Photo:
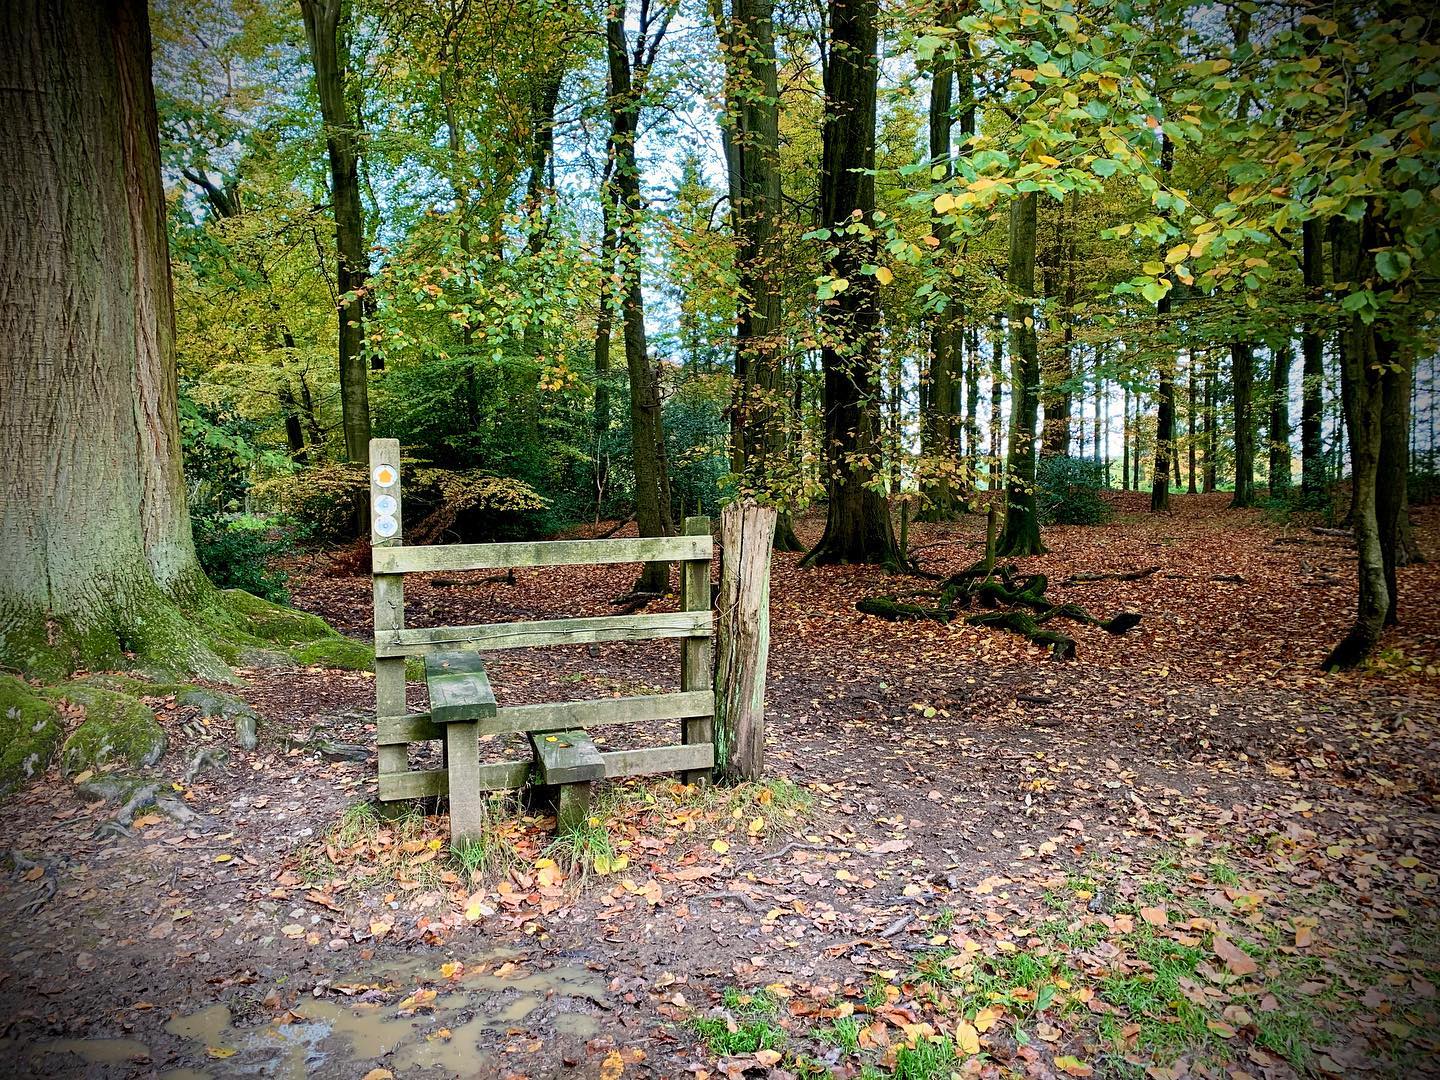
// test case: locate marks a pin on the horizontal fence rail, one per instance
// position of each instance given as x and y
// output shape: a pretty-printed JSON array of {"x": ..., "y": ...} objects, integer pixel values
[
  {"x": 522, "y": 635},
  {"x": 508, "y": 775},
  {"x": 556, "y": 716},
  {"x": 420, "y": 559}
]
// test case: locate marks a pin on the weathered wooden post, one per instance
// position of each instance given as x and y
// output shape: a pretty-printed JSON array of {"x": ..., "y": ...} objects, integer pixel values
[
  {"x": 695, "y": 652},
  {"x": 389, "y": 595},
  {"x": 747, "y": 535}
]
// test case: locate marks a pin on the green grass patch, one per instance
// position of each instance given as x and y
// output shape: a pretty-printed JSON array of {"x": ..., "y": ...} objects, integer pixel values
[{"x": 928, "y": 1059}]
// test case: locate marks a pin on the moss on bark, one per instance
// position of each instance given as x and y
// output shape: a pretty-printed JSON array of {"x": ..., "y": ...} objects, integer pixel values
[{"x": 29, "y": 732}]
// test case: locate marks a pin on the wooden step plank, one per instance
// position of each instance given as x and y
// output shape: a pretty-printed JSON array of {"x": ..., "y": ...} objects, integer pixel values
[
  {"x": 659, "y": 759},
  {"x": 556, "y": 716},
  {"x": 459, "y": 687},
  {"x": 509, "y": 775},
  {"x": 452, "y": 557},
  {"x": 519, "y": 635},
  {"x": 567, "y": 757}
]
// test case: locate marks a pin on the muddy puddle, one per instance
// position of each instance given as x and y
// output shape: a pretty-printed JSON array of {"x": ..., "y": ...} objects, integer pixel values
[{"x": 408, "y": 1014}]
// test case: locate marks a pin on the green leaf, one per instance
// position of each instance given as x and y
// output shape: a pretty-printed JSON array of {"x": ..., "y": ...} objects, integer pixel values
[{"x": 1104, "y": 166}]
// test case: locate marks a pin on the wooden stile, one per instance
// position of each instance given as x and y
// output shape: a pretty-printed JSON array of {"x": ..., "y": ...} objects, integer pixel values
[{"x": 463, "y": 707}]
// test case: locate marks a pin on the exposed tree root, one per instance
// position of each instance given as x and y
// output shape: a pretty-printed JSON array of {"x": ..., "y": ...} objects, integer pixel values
[{"x": 1014, "y": 603}]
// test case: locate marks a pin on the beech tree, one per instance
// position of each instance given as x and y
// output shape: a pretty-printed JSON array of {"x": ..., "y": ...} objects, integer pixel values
[
  {"x": 1022, "y": 519},
  {"x": 97, "y": 565},
  {"x": 857, "y": 518}
]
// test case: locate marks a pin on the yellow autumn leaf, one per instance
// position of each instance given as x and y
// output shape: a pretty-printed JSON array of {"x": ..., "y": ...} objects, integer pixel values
[
  {"x": 1049, "y": 70},
  {"x": 757, "y": 826},
  {"x": 720, "y": 847},
  {"x": 985, "y": 1019},
  {"x": 1046, "y": 159},
  {"x": 944, "y": 203},
  {"x": 220, "y": 1053},
  {"x": 1178, "y": 253},
  {"x": 613, "y": 1066},
  {"x": 885, "y": 277},
  {"x": 967, "y": 1039}
]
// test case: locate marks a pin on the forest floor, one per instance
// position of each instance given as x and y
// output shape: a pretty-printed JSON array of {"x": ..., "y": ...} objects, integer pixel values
[{"x": 1187, "y": 852}]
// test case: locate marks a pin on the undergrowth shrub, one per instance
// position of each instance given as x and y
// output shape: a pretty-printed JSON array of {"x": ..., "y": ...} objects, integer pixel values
[
  {"x": 468, "y": 503},
  {"x": 1068, "y": 491},
  {"x": 236, "y": 552}
]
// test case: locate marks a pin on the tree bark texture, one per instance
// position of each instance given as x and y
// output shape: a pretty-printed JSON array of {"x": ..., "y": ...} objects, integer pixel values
[
  {"x": 96, "y": 551},
  {"x": 327, "y": 32},
  {"x": 1278, "y": 428},
  {"x": 1022, "y": 520},
  {"x": 743, "y": 632},
  {"x": 1242, "y": 374},
  {"x": 857, "y": 519},
  {"x": 1313, "y": 480},
  {"x": 653, "y": 511}
]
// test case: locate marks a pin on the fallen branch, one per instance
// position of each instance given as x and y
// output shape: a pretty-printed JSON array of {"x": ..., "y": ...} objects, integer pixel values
[
  {"x": 749, "y": 904},
  {"x": 1111, "y": 575}
]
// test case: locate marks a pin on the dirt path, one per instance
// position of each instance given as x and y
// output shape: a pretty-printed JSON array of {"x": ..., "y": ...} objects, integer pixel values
[{"x": 1189, "y": 850}]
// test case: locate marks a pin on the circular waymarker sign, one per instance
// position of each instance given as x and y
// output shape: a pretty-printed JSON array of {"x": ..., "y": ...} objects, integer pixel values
[
  {"x": 386, "y": 525},
  {"x": 385, "y": 504},
  {"x": 385, "y": 475}
]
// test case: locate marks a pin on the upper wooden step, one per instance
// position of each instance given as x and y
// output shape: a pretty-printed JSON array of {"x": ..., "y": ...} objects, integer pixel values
[{"x": 459, "y": 687}]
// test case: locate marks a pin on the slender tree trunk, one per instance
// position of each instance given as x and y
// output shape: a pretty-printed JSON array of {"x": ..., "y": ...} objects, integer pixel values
[
  {"x": 1058, "y": 399},
  {"x": 997, "y": 388},
  {"x": 1125, "y": 444},
  {"x": 1242, "y": 374},
  {"x": 653, "y": 511},
  {"x": 604, "y": 331},
  {"x": 1190, "y": 423},
  {"x": 1164, "y": 423},
  {"x": 938, "y": 413},
  {"x": 96, "y": 558},
  {"x": 1022, "y": 519},
  {"x": 1313, "y": 481},
  {"x": 326, "y": 29},
  {"x": 1279, "y": 425},
  {"x": 1212, "y": 432},
  {"x": 857, "y": 520},
  {"x": 972, "y": 397}
]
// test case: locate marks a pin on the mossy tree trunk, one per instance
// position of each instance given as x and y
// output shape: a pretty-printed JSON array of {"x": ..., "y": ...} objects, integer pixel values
[
  {"x": 1278, "y": 427},
  {"x": 1022, "y": 520},
  {"x": 96, "y": 557},
  {"x": 857, "y": 519}
]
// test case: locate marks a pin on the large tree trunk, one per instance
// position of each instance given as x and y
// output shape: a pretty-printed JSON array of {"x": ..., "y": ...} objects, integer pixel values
[
  {"x": 1165, "y": 457},
  {"x": 857, "y": 519},
  {"x": 751, "y": 128},
  {"x": 1022, "y": 520},
  {"x": 653, "y": 512},
  {"x": 327, "y": 34},
  {"x": 95, "y": 553},
  {"x": 1242, "y": 374},
  {"x": 1312, "y": 348},
  {"x": 1362, "y": 390}
]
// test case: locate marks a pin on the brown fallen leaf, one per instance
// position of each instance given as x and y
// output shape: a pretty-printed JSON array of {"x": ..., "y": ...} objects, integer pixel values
[{"x": 1237, "y": 961}]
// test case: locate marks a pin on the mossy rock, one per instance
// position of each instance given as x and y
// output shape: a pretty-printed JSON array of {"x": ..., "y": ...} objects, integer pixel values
[
  {"x": 283, "y": 626},
  {"x": 343, "y": 653},
  {"x": 30, "y": 729},
  {"x": 116, "y": 728}
]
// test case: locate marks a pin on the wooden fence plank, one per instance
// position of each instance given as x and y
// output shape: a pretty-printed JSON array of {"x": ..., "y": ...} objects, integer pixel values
[
  {"x": 518, "y": 635},
  {"x": 459, "y": 687},
  {"x": 556, "y": 716},
  {"x": 418, "y": 783},
  {"x": 451, "y": 557}
]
